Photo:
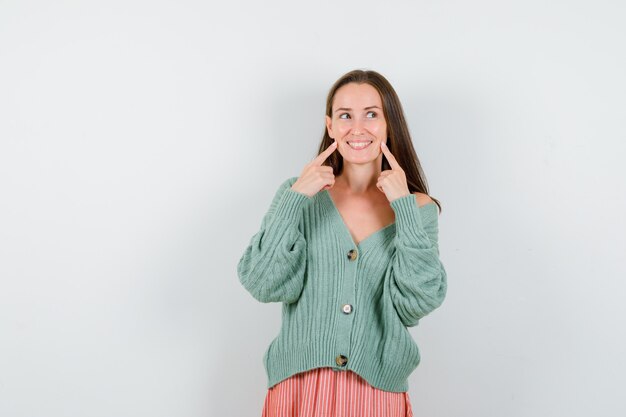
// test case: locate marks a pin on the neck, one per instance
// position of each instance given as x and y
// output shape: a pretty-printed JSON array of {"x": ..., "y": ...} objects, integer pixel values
[{"x": 359, "y": 178}]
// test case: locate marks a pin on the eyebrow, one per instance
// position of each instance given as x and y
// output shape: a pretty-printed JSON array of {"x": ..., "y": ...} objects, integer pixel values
[{"x": 366, "y": 108}]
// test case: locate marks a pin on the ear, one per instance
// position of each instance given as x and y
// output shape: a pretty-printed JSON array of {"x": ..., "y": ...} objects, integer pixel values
[{"x": 329, "y": 126}]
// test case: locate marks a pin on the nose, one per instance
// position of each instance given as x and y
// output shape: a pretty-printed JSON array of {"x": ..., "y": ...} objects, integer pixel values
[{"x": 357, "y": 128}]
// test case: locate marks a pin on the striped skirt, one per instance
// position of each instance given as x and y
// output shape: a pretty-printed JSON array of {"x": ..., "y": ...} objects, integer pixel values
[{"x": 324, "y": 392}]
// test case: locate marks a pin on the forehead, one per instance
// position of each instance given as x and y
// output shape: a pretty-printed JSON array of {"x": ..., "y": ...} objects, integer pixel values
[{"x": 356, "y": 96}]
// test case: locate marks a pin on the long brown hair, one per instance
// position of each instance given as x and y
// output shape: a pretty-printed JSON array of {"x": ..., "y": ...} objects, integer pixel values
[{"x": 399, "y": 139}]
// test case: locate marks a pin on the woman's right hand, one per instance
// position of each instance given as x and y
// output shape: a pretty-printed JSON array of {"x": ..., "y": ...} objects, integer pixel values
[{"x": 315, "y": 176}]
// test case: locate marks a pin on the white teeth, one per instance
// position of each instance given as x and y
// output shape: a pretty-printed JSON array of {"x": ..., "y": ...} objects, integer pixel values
[{"x": 360, "y": 145}]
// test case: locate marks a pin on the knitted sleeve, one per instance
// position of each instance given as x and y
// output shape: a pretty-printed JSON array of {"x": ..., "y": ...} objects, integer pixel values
[
  {"x": 418, "y": 280},
  {"x": 273, "y": 264}
]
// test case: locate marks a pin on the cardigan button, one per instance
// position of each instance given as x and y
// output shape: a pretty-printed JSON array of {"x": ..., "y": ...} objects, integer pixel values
[
  {"x": 352, "y": 254},
  {"x": 347, "y": 308},
  {"x": 341, "y": 360}
]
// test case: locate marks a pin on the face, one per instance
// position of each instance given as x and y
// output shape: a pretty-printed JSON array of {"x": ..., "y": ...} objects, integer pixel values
[{"x": 357, "y": 123}]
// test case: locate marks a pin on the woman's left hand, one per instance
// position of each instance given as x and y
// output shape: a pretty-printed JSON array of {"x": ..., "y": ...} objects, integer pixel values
[{"x": 392, "y": 181}]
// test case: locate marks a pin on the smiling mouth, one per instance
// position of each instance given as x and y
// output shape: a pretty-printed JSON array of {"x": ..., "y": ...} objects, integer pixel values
[{"x": 359, "y": 145}]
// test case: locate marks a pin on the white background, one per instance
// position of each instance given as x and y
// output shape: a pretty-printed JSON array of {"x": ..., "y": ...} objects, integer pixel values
[{"x": 142, "y": 142}]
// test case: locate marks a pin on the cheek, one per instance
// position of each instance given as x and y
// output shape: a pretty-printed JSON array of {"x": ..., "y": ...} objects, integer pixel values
[
  {"x": 342, "y": 128},
  {"x": 379, "y": 129}
]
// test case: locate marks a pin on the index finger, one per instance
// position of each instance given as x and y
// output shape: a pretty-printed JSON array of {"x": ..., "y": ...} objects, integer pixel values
[
  {"x": 319, "y": 159},
  {"x": 392, "y": 159}
]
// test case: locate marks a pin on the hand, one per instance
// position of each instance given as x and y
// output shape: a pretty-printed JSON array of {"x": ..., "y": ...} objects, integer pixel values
[
  {"x": 392, "y": 181},
  {"x": 316, "y": 177}
]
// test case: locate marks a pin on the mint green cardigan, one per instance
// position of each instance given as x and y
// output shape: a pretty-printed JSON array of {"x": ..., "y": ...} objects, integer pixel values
[{"x": 345, "y": 306}]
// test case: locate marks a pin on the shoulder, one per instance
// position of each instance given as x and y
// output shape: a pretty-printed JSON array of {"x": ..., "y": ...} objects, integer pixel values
[
  {"x": 430, "y": 215},
  {"x": 422, "y": 199}
]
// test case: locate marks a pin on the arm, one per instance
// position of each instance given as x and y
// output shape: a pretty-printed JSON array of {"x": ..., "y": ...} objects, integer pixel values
[
  {"x": 418, "y": 279},
  {"x": 272, "y": 266}
]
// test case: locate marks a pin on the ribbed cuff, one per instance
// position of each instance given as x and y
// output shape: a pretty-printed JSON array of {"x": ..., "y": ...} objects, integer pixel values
[
  {"x": 408, "y": 216},
  {"x": 290, "y": 205}
]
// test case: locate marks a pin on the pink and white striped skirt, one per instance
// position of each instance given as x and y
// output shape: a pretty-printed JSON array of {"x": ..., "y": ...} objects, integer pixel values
[{"x": 324, "y": 392}]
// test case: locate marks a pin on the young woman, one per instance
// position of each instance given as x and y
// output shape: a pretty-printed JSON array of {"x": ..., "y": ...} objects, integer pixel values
[{"x": 350, "y": 247}]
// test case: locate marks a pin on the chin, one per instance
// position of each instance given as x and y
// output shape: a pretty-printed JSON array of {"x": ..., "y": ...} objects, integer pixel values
[{"x": 360, "y": 161}]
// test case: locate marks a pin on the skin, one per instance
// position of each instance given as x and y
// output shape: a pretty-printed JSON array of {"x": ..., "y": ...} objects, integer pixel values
[
  {"x": 357, "y": 114},
  {"x": 362, "y": 192}
]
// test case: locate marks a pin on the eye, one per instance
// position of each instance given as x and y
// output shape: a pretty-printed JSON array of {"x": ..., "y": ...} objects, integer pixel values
[
  {"x": 344, "y": 114},
  {"x": 373, "y": 113}
]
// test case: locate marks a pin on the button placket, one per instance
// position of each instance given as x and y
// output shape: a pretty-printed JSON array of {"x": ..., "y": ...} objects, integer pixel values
[{"x": 345, "y": 322}]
